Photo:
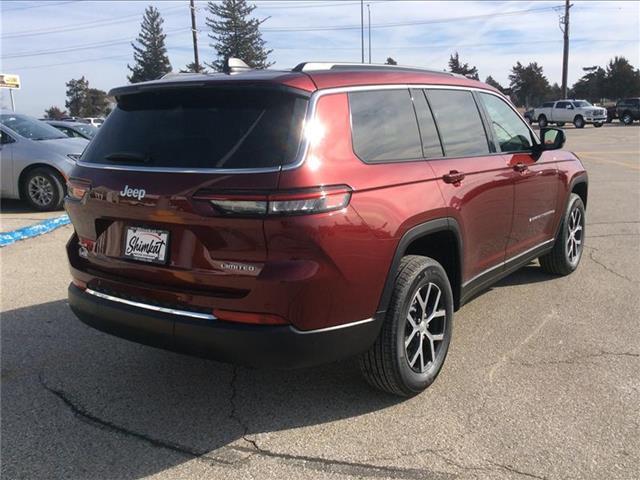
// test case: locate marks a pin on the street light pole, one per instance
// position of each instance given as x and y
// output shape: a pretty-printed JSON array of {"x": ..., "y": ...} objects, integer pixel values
[
  {"x": 362, "y": 27},
  {"x": 369, "y": 13}
]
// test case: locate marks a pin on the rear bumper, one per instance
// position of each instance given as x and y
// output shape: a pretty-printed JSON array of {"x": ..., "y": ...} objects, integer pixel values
[{"x": 249, "y": 345}]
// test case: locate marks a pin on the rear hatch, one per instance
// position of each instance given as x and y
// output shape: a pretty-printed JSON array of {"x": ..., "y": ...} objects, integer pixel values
[{"x": 141, "y": 195}]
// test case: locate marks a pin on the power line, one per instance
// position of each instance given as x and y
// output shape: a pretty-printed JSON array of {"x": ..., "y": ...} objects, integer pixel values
[
  {"x": 407, "y": 24},
  {"x": 47, "y": 4},
  {"x": 84, "y": 47},
  {"x": 79, "y": 26}
]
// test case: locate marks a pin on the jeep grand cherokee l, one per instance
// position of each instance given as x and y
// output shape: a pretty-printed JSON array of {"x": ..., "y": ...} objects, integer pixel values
[{"x": 291, "y": 218}]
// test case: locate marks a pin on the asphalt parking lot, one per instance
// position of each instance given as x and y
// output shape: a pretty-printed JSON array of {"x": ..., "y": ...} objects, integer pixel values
[{"x": 542, "y": 378}]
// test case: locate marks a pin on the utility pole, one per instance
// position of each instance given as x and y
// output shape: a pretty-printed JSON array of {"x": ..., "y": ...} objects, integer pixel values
[
  {"x": 362, "y": 27},
  {"x": 564, "y": 26},
  {"x": 369, "y": 12},
  {"x": 194, "y": 33}
]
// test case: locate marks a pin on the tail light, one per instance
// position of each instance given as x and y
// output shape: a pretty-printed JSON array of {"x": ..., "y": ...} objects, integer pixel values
[
  {"x": 302, "y": 202},
  {"x": 77, "y": 188},
  {"x": 249, "y": 317}
]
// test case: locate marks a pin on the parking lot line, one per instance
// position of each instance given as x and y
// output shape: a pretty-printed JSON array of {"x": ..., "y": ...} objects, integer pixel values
[{"x": 46, "y": 226}]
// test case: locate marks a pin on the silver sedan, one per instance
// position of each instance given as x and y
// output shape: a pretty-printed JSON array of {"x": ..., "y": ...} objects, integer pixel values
[{"x": 35, "y": 160}]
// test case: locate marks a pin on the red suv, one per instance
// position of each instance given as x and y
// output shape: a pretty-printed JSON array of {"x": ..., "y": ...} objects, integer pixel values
[{"x": 291, "y": 218}]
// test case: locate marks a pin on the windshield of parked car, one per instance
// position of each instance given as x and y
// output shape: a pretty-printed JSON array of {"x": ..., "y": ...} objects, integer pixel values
[
  {"x": 582, "y": 104},
  {"x": 30, "y": 128},
  {"x": 209, "y": 128},
  {"x": 87, "y": 130}
]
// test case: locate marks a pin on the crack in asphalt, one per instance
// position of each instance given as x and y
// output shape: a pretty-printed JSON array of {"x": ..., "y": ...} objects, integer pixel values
[
  {"x": 609, "y": 269},
  {"x": 85, "y": 416},
  {"x": 576, "y": 359},
  {"x": 512, "y": 469}
]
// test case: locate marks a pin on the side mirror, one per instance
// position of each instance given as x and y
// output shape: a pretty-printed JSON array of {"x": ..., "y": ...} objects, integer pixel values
[{"x": 551, "y": 139}]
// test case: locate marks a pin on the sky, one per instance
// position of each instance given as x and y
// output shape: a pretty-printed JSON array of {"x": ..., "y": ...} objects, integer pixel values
[{"x": 50, "y": 42}]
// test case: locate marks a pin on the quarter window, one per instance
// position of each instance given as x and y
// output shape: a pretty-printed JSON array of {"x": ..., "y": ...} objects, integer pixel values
[
  {"x": 509, "y": 130},
  {"x": 459, "y": 123},
  {"x": 384, "y": 126}
]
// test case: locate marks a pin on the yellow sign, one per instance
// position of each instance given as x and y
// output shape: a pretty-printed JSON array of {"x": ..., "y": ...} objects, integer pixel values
[{"x": 9, "y": 81}]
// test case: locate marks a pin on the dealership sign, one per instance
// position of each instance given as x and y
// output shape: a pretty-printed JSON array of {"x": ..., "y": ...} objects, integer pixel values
[{"x": 9, "y": 81}]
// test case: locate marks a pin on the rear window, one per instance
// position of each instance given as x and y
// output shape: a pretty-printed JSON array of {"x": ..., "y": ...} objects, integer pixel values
[{"x": 207, "y": 128}]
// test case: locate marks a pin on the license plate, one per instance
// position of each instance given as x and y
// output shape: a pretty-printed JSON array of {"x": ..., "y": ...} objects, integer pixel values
[{"x": 146, "y": 244}]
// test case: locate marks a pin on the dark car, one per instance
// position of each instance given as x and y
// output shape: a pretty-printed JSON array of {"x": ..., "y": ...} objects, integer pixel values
[
  {"x": 74, "y": 129},
  {"x": 292, "y": 218},
  {"x": 628, "y": 110}
]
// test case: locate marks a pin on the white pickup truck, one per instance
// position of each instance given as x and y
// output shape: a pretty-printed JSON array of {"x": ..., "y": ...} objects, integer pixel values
[{"x": 578, "y": 112}]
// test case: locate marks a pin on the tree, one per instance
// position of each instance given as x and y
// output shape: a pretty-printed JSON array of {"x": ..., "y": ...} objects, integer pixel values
[
  {"x": 83, "y": 101},
  {"x": 95, "y": 103},
  {"x": 76, "y": 95},
  {"x": 591, "y": 85},
  {"x": 235, "y": 34},
  {"x": 191, "y": 68},
  {"x": 150, "y": 55},
  {"x": 494, "y": 83},
  {"x": 55, "y": 113},
  {"x": 528, "y": 84},
  {"x": 622, "y": 80},
  {"x": 463, "y": 69},
  {"x": 390, "y": 61}
]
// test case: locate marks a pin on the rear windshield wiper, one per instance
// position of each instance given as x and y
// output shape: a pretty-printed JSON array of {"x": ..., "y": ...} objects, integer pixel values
[{"x": 127, "y": 157}]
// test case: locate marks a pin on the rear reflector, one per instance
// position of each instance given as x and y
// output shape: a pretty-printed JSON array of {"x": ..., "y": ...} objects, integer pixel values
[
  {"x": 79, "y": 283},
  {"x": 77, "y": 188},
  {"x": 317, "y": 200},
  {"x": 249, "y": 317}
]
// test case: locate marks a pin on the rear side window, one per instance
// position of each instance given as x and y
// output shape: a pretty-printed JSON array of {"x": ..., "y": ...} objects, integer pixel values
[
  {"x": 428, "y": 131},
  {"x": 508, "y": 129},
  {"x": 563, "y": 104},
  {"x": 205, "y": 128},
  {"x": 384, "y": 126},
  {"x": 459, "y": 122}
]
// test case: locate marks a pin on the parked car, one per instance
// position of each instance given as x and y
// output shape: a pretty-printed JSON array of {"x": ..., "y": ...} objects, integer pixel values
[
  {"x": 292, "y": 218},
  {"x": 578, "y": 112},
  {"x": 628, "y": 110},
  {"x": 95, "y": 121},
  {"x": 528, "y": 115},
  {"x": 74, "y": 129},
  {"x": 612, "y": 112},
  {"x": 36, "y": 160}
]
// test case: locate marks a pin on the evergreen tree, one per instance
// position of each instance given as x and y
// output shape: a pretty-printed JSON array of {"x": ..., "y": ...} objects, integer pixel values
[
  {"x": 95, "y": 103},
  {"x": 390, "y": 61},
  {"x": 235, "y": 34},
  {"x": 54, "y": 113},
  {"x": 591, "y": 86},
  {"x": 622, "y": 79},
  {"x": 191, "y": 68},
  {"x": 494, "y": 83},
  {"x": 528, "y": 84},
  {"x": 76, "y": 95},
  {"x": 150, "y": 55},
  {"x": 455, "y": 66}
]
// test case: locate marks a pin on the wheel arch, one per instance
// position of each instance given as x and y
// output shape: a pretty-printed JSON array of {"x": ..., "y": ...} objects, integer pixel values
[
  {"x": 580, "y": 186},
  {"x": 439, "y": 239}
]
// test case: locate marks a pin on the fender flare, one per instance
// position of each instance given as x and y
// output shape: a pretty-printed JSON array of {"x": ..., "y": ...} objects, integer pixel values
[{"x": 448, "y": 224}]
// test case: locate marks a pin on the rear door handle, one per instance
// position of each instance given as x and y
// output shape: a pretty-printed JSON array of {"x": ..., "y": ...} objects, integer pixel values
[
  {"x": 453, "y": 176},
  {"x": 520, "y": 167}
]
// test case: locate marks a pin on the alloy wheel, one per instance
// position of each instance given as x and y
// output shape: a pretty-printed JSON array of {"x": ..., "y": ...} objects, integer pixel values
[
  {"x": 425, "y": 327},
  {"x": 575, "y": 235},
  {"x": 40, "y": 190}
]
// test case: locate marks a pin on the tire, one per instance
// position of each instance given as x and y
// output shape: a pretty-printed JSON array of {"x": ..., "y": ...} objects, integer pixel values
[
  {"x": 626, "y": 118},
  {"x": 560, "y": 124},
  {"x": 43, "y": 189},
  {"x": 406, "y": 369},
  {"x": 598, "y": 124},
  {"x": 578, "y": 122},
  {"x": 542, "y": 121},
  {"x": 562, "y": 260}
]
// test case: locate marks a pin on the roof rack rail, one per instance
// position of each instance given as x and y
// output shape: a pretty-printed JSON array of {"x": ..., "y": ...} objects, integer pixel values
[{"x": 310, "y": 66}]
